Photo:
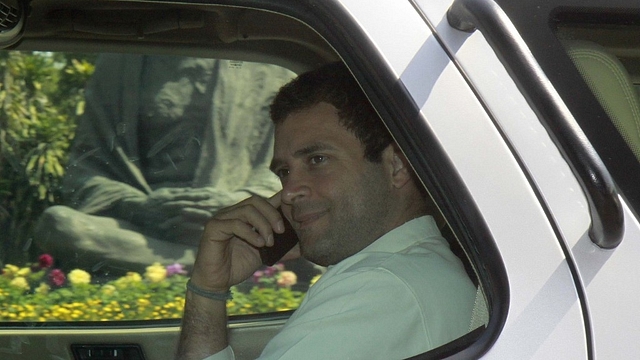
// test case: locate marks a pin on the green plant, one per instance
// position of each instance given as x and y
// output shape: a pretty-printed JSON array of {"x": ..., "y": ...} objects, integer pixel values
[
  {"x": 38, "y": 293},
  {"x": 268, "y": 290},
  {"x": 41, "y": 95}
]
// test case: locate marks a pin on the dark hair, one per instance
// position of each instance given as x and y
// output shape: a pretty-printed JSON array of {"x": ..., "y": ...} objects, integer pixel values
[{"x": 334, "y": 84}]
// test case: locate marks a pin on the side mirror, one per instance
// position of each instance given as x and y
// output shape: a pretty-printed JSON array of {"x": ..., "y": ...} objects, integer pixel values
[{"x": 12, "y": 18}]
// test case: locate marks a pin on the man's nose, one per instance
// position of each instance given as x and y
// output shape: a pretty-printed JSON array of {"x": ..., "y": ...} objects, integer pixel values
[{"x": 295, "y": 187}]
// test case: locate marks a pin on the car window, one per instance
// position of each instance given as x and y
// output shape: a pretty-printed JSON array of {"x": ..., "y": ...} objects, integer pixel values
[
  {"x": 603, "y": 50},
  {"x": 610, "y": 76},
  {"x": 111, "y": 164}
]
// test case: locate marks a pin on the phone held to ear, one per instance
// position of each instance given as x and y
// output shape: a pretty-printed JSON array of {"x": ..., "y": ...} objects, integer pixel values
[{"x": 282, "y": 243}]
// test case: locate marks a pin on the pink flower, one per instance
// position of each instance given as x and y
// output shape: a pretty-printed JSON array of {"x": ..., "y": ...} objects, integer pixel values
[
  {"x": 45, "y": 261},
  {"x": 270, "y": 271},
  {"x": 257, "y": 276},
  {"x": 57, "y": 277},
  {"x": 176, "y": 269}
]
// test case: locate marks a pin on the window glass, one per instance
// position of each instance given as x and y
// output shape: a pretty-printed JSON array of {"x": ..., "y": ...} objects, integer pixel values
[
  {"x": 111, "y": 164},
  {"x": 607, "y": 58}
]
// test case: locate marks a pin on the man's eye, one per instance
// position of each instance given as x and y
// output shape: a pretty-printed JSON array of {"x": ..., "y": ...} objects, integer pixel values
[{"x": 317, "y": 159}]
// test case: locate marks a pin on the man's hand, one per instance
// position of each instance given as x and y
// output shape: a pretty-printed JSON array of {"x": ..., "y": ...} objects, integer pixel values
[
  {"x": 227, "y": 255},
  {"x": 228, "y": 251}
]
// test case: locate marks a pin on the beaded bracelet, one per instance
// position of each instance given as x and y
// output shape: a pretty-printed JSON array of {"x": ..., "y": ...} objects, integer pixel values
[{"x": 218, "y": 296}]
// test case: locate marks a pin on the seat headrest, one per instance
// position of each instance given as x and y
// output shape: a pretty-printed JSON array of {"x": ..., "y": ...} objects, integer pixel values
[{"x": 611, "y": 83}]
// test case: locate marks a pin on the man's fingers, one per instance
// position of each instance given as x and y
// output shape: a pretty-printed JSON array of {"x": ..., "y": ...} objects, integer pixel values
[
  {"x": 276, "y": 202},
  {"x": 228, "y": 247},
  {"x": 226, "y": 229},
  {"x": 251, "y": 221},
  {"x": 261, "y": 213}
]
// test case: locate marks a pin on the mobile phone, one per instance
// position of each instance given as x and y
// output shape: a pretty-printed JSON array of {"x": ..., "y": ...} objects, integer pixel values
[{"x": 282, "y": 243}]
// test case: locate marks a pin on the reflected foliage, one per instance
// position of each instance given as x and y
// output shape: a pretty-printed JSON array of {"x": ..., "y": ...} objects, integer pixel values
[
  {"x": 39, "y": 292},
  {"x": 42, "y": 95}
]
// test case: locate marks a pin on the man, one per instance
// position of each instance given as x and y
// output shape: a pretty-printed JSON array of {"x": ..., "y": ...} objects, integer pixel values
[
  {"x": 393, "y": 288},
  {"x": 164, "y": 142}
]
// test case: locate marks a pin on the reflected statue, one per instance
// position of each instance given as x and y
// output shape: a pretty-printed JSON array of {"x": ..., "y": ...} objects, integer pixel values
[{"x": 163, "y": 143}]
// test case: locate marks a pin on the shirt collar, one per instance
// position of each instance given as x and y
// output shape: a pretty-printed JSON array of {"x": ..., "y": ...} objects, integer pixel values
[{"x": 421, "y": 229}]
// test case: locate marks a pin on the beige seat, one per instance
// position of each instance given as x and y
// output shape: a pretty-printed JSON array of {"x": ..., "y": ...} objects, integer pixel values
[{"x": 611, "y": 84}]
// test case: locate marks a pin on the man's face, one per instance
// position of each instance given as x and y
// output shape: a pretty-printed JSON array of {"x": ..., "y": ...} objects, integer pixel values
[{"x": 335, "y": 199}]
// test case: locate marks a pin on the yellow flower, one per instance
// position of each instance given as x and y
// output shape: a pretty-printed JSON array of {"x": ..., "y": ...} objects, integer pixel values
[
  {"x": 108, "y": 289},
  {"x": 20, "y": 282},
  {"x": 10, "y": 270},
  {"x": 155, "y": 273},
  {"x": 24, "y": 272},
  {"x": 131, "y": 277},
  {"x": 78, "y": 276},
  {"x": 43, "y": 289},
  {"x": 287, "y": 279}
]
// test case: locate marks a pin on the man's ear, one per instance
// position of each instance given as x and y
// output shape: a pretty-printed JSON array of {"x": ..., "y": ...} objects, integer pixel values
[{"x": 398, "y": 166}]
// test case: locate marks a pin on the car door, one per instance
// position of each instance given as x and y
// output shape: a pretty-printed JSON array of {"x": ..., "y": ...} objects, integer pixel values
[
  {"x": 530, "y": 328},
  {"x": 543, "y": 44}
]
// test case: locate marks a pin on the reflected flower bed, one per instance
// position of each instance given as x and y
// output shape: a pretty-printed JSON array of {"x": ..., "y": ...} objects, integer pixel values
[{"x": 39, "y": 292}]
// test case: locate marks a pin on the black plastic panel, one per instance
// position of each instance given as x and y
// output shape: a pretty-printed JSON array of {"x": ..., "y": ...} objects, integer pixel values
[{"x": 107, "y": 352}]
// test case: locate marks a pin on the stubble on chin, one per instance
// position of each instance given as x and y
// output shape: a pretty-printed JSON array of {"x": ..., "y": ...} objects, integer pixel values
[
  {"x": 328, "y": 248},
  {"x": 320, "y": 249}
]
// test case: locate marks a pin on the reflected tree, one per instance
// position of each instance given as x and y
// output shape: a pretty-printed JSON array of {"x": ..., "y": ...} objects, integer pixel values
[{"x": 41, "y": 95}]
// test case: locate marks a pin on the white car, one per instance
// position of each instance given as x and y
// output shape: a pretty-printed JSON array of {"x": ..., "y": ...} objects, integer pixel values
[{"x": 520, "y": 117}]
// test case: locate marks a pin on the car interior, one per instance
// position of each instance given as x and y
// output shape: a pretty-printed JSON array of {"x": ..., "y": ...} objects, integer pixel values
[
  {"x": 199, "y": 30},
  {"x": 607, "y": 58}
]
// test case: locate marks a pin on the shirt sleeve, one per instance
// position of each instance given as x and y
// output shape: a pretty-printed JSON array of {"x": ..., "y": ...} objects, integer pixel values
[
  {"x": 369, "y": 314},
  {"x": 224, "y": 354}
]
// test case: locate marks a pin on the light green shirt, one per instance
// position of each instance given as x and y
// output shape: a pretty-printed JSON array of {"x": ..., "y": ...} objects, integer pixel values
[{"x": 403, "y": 295}]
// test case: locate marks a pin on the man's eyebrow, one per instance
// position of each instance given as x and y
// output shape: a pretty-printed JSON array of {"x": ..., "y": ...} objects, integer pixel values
[{"x": 305, "y": 151}]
